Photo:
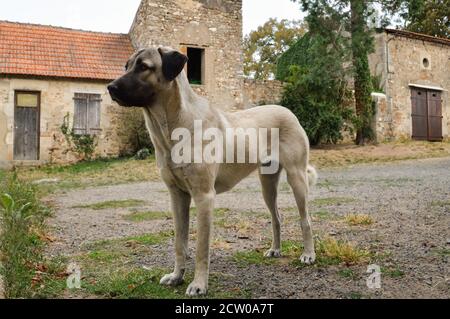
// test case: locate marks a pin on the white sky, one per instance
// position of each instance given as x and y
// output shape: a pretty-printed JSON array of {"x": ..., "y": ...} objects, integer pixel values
[{"x": 117, "y": 15}]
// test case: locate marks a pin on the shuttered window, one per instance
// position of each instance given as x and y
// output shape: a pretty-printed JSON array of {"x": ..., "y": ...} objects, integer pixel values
[{"x": 87, "y": 114}]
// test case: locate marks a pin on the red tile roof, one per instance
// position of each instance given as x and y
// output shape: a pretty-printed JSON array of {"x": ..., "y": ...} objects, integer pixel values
[{"x": 46, "y": 51}]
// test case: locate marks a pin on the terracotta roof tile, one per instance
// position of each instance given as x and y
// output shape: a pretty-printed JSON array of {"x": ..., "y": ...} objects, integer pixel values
[{"x": 37, "y": 50}]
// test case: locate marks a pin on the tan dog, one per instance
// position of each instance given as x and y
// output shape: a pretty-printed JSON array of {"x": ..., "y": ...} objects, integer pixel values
[{"x": 154, "y": 81}]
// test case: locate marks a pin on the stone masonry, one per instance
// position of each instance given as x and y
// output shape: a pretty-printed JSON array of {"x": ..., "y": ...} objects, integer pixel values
[
  {"x": 403, "y": 60},
  {"x": 212, "y": 25}
]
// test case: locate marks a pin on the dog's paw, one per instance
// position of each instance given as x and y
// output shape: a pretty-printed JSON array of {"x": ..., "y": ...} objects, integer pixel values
[
  {"x": 273, "y": 253},
  {"x": 308, "y": 258},
  {"x": 172, "y": 280},
  {"x": 197, "y": 289}
]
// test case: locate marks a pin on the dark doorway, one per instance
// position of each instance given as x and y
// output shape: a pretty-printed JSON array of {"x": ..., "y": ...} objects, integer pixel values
[
  {"x": 426, "y": 114},
  {"x": 195, "y": 67},
  {"x": 26, "y": 125}
]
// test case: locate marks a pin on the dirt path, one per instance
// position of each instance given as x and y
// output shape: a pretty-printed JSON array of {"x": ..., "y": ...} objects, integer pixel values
[{"x": 409, "y": 201}]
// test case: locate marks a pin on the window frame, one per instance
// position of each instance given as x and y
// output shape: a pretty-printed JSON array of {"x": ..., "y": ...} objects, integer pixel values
[{"x": 89, "y": 128}]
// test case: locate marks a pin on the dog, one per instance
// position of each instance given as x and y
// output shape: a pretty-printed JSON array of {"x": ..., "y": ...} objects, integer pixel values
[{"x": 154, "y": 81}]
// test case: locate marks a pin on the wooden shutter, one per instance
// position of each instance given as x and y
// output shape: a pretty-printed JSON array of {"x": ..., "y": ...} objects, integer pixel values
[
  {"x": 94, "y": 109},
  {"x": 80, "y": 118},
  {"x": 87, "y": 114}
]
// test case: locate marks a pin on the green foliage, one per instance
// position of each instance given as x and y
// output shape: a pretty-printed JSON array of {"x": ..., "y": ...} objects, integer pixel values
[
  {"x": 316, "y": 90},
  {"x": 143, "y": 154},
  {"x": 83, "y": 145},
  {"x": 21, "y": 216},
  {"x": 134, "y": 133},
  {"x": 423, "y": 16},
  {"x": 264, "y": 46}
]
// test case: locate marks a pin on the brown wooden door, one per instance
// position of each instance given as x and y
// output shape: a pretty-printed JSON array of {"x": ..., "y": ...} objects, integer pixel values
[
  {"x": 426, "y": 115},
  {"x": 26, "y": 126},
  {"x": 434, "y": 116}
]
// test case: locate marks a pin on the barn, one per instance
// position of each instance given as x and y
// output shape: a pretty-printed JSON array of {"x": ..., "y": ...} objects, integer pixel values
[{"x": 414, "y": 75}]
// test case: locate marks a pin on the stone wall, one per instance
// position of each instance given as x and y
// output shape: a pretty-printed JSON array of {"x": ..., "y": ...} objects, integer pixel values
[
  {"x": 399, "y": 61},
  {"x": 214, "y": 25},
  {"x": 262, "y": 92},
  {"x": 56, "y": 102}
]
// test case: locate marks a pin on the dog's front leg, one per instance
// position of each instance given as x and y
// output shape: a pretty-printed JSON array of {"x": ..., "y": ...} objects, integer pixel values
[
  {"x": 205, "y": 206},
  {"x": 181, "y": 203}
]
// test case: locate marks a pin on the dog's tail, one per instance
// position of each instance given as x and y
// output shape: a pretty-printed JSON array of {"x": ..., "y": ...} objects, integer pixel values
[{"x": 312, "y": 176}]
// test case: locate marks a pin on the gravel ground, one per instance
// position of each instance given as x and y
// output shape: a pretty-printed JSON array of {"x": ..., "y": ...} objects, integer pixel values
[{"x": 409, "y": 202}]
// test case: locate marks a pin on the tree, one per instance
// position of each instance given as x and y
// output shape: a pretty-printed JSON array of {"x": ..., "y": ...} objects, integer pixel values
[
  {"x": 351, "y": 17},
  {"x": 317, "y": 87},
  {"x": 263, "y": 47},
  {"x": 423, "y": 16}
]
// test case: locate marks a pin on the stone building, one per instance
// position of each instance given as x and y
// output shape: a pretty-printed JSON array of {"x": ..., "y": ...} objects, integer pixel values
[
  {"x": 414, "y": 73},
  {"x": 47, "y": 73},
  {"x": 209, "y": 32}
]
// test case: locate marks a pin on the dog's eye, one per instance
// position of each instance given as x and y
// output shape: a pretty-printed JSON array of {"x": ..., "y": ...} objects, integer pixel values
[{"x": 145, "y": 67}]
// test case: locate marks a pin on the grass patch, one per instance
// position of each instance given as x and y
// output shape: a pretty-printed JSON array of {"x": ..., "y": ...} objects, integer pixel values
[
  {"x": 101, "y": 172},
  {"x": 393, "y": 272},
  {"x": 253, "y": 257},
  {"x": 323, "y": 215},
  {"x": 345, "y": 155},
  {"x": 347, "y": 273},
  {"x": 130, "y": 242},
  {"x": 332, "y": 201},
  {"x": 334, "y": 252},
  {"x": 22, "y": 222},
  {"x": 132, "y": 284},
  {"x": 139, "y": 217},
  {"x": 440, "y": 204},
  {"x": 113, "y": 204},
  {"x": 359, "y": 220}
]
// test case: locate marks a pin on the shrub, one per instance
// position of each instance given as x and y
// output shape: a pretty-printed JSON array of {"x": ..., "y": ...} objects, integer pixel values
[
  {"x": 143, "y": 154},
  {"x": 83, "y": 145},
  {"x": 21, "y": 217},
  {"x": 134, "y": 132}
]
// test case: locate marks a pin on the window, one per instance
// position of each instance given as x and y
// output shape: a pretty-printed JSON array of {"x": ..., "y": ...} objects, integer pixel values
[
  {"x": 86, "y": 119},
  {"x": 426, "y": 63},
  {"x": 195, "y": 68}
]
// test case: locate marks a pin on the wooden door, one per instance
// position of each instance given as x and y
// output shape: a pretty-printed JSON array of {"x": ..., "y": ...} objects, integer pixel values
[
  {"x": 419, "y": 114},
  {"x": 434, "y": 99},
  {"x": 26, "y": 125},
  {"x": 426, "y": 115}
]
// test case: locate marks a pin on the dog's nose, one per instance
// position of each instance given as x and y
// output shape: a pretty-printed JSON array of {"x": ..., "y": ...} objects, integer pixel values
[{"x": 113, "y": 88}]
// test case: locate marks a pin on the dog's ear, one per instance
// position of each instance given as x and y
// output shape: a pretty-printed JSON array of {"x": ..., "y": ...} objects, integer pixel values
[{"x": 173, "y": 63}]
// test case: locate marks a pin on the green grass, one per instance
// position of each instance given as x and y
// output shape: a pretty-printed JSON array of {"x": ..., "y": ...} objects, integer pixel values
[
  {"x": 323, "y": 215},
  {"x": 22, "y": 221},
  {"x": 102, "y": 172},
  {"x": 131, "y": 284},
  {"x": 332, "y": 201},
  {"x": 139, "y": 217},
  {"x": 113, "y": 204},
  {"x": 253, "y": 257},
  {"x": 441, "y": 203},
  {"x": 329, "y": 252},
  {"x": 347, "y": 273},
  {"x": 146, "y": 239},
  {"x": 393, "y": 272}
]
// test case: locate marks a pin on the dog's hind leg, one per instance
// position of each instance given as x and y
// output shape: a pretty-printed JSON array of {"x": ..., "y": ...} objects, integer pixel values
[
  {"x": 181, "y": 203},
  {"x": 270, "y": 193},
  {"x": 298, "y": 180}
]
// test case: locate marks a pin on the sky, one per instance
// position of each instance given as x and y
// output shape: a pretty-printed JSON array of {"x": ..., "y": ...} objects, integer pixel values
[{"x": 117, "y": 15}]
